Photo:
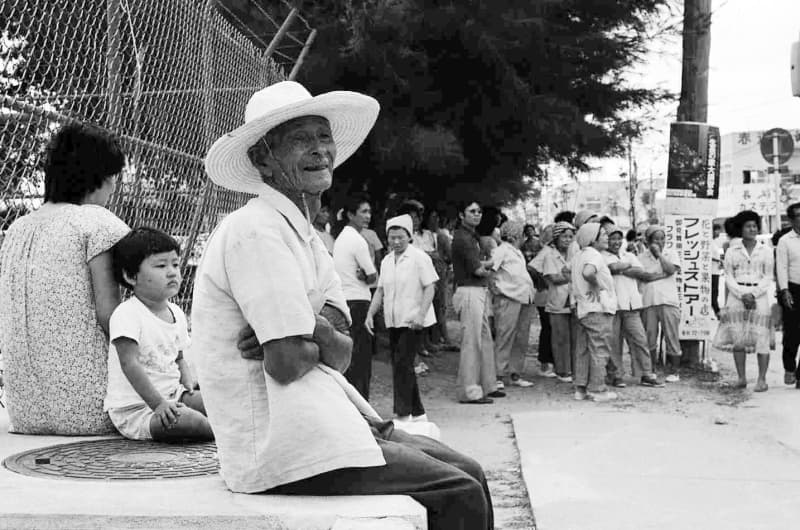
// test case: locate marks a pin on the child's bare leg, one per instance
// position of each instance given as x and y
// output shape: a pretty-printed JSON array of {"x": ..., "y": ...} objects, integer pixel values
[
  {"x": 194, "y": 401},
  {"x": 191, "y": 425}
]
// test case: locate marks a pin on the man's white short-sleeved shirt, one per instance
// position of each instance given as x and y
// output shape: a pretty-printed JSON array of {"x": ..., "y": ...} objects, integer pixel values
[
  {"x": 403, "y": 280},
  {"x": 351, "y": 253},
  {"x": 264, "y": 266},
  {"x": 159, "y": 344}
]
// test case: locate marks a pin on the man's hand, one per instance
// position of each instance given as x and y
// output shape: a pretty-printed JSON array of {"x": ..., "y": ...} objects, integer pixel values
[
  {"x": 417, "y": 322},
  {"x": 655, "y": 250},
  {"x": 248, "y": 344},
  {"x": 361, "y": 275},
  {"x": 787, "y": 299},
  {"x": 167, "y": 413},
  {"x": 749, "y": 301}
]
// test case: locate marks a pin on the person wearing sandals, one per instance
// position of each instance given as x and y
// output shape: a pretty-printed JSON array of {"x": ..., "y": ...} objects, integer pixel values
[
  {"x": 556, "y": 272},
  {"x": 592, "y": 288},
  {"x": 477, "y": 383},
  {"x": 748, "y": 278},
  {"x": 626, "y": 270},
  {"x": 660, "y": 299}
]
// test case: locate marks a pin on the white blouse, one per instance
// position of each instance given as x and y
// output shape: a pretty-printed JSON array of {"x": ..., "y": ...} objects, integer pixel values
[{"x": 748, "y": 273}]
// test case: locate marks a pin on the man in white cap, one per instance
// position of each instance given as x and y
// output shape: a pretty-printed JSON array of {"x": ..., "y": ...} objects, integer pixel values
[{"x": 286, "y": 421}]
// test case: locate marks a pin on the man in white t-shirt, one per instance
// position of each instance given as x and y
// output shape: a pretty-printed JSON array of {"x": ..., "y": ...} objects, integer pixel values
[
  {"x": 356, "y": 270},
  {"x": 286, "y": 420}
]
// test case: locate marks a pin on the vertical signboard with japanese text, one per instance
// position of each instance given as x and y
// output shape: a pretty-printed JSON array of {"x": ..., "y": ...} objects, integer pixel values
[
  {"x": 693, "y": 172},
  {"x": 689, "y": 238}
]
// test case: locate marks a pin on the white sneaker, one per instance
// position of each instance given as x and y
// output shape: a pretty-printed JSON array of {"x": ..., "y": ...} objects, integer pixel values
[
  {"x": 421, "y": 417},
  {"x": 521, "y": 382},
  {"x": 403, "y": 419},
  {"x": 601, "y": 397},
  {"x": 672, "y": 378},
  {"x": 579, "y": 395},
  {"x": 500, "y": 385},
  {"x": 564, "y": 378},
  {"x": 547, "y": 370}
]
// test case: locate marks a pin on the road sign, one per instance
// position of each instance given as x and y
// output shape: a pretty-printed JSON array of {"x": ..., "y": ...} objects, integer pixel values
[{"x": 784, "y": 145}]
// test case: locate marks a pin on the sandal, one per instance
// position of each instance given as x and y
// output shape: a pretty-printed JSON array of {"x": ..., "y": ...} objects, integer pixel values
[{"x": 479, "y": 401}]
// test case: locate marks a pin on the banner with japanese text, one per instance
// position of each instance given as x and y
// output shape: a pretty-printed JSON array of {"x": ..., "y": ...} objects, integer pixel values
[
  {"x": 693, "y": 171},
  {"x": 689, "y": 238}
]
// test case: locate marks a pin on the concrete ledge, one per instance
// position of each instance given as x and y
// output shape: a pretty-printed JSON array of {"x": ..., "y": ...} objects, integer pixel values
[{"x": 202, "y": 502}]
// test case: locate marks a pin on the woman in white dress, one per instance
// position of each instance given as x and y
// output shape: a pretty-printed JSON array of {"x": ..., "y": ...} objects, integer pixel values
[{"x": 745, "y": 322}]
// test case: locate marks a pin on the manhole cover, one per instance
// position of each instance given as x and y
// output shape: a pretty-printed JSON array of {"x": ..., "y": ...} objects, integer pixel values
[{"x": 117, "y": 459}]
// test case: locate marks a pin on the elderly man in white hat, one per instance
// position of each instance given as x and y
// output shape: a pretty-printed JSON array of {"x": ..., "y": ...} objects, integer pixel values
[{"x": 289, "y": 422}]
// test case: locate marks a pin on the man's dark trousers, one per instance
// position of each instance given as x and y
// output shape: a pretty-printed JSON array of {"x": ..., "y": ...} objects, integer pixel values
[
  {"x": 451, "y": 486},
  {"x": 360, "y": 371},
  {"x": 791, "y": 332}
]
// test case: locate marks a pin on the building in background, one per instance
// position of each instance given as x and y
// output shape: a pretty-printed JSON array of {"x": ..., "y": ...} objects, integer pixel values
[{"x": 749, "y": 182}]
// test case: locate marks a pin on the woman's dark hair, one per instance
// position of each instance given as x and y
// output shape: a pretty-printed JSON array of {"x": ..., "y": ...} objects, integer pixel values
[
  {"x": 351, "y": 205},
  {"x": 630, "y": 236},
  {"x": 79, "y": 158},
  {"x": 727, "y": 225},
  {"x": 741, "y": 218},
  {"x": 491, "y": 219},
  {"x": 566, "y": 216},
  {"x": 140, "y": 243}
]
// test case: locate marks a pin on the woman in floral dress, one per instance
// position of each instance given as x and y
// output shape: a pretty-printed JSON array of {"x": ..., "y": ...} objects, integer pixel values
[{"x": 58, "y": 290}]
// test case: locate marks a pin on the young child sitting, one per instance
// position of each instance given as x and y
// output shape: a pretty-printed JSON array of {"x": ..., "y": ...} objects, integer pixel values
[{"x": 151, "y": 392}]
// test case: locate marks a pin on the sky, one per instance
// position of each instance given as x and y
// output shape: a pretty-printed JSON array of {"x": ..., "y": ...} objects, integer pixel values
[{"x": 749, "y": 81}]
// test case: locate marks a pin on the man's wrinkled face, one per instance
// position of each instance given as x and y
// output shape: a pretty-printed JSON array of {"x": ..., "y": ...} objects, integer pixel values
[{"x": 299, "y": 154}]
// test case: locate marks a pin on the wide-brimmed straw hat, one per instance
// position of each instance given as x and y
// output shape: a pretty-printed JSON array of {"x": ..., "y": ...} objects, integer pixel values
[{"x": 350, "y": 114}]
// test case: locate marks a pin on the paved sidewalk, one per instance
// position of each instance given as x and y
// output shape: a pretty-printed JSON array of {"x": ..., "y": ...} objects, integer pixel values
[{"x": 600, "y": 468}]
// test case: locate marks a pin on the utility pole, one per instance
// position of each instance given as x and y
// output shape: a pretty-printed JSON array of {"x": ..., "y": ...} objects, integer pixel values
[
  {"x": 631, "y": 185},
  {"x": 693, "y": 105}
]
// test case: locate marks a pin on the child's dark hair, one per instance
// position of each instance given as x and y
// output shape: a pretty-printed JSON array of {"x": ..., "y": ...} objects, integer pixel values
[{"x": 140, "y": 243}]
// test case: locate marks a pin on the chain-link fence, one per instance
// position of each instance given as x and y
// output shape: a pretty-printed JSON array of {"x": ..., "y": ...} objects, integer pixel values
[{"x": 169, "y": 76}]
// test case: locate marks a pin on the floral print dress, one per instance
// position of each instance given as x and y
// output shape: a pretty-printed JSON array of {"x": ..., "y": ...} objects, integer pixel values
[{"x": 54, "y": 349}]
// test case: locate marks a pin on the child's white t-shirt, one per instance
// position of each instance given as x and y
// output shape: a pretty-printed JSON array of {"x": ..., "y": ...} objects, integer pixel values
[{"x": 159, "y": 344}]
